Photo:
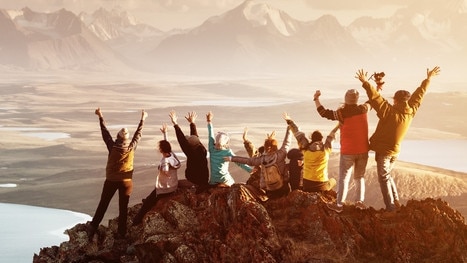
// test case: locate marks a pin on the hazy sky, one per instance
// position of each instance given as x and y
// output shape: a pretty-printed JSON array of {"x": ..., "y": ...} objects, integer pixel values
[{"x": 168, "y": 14}]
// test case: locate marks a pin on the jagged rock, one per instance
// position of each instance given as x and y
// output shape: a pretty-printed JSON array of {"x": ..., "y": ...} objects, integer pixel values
[{"x": 230, "y": 225}]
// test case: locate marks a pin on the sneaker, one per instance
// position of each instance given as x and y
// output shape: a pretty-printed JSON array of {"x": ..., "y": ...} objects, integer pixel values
[
  {"x": 397, "y": 203},
  {"x": 360, "y": 205},
  {"x": 335, "y": 207}
]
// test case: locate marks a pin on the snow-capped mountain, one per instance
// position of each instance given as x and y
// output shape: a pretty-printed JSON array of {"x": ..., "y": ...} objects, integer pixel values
[
  {"x": 57, "y": 40},
  {"x": 416, "y": 32},
  {"x": 256, "y": 37},
  {"x": 252, "y": 38}
]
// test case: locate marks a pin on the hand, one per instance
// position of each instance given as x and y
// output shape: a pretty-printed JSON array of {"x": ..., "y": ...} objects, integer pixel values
[
  {"x": 362, "y": 76},
  {"x": 434, "y": 72},
  {"x": 209, "y": 116},
  {"x": 164, "y": 128},
  {"x": 144, "y": 115},
  {"x": 245, "y": 132},
  {"x": 191, "y": 117},
  {"x": 173, "y": 117},
  {"x": 317, "y": 94},
  {"x": 272, "y": 135},
  {"x": 286, "y": 116},
  {"x": 98, "y": 112}
]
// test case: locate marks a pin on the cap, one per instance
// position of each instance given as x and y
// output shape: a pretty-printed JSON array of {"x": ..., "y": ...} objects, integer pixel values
[
  {"x": 351, "y": 96},
  {"x": 402, "y": 95},
  {"x": 123, "y": 133}
]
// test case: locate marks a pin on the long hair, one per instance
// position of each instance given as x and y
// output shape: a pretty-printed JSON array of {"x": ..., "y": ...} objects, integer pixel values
[{"x": 270, "y": 143}]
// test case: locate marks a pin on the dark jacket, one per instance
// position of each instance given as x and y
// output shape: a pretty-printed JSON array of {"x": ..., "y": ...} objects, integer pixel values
[
  {"x": 394, "y": 120},
  {"x": 121, "y": 153},
  {"x": 197, "y": 170}
]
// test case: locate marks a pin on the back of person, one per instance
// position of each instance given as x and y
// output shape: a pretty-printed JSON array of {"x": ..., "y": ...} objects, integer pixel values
[
  {"x": 316, "y": 157},
  {"x": 391, "y": 128},
  {"x": 168, "y": 183},
  {"x": 354, "y": 135}
]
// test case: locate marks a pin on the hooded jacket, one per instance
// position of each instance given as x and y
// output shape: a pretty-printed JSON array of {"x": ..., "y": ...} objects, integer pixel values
[
  {"x": 121, "y": 153},
  {"x": 315, "y": 155},
  {"x": 394, "y": 120}
]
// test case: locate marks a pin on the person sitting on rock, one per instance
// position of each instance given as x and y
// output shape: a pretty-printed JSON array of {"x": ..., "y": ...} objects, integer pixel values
[
  {"x": 166, "y": 178},
  {"x": 197, "y": 171}
]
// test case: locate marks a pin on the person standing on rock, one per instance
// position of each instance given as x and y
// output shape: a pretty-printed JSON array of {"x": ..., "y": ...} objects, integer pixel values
[
  {"x": 166, "y": 178},
  {"x": 354, "y": 146},
  {"x": 394, "y": 121},
  {"x": 119, "y": 174}
]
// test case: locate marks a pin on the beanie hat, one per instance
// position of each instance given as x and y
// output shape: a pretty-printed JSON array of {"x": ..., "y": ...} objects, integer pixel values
[
  {"x": 123, "y": 134},
  {"x": 222, "y": 140},
  {"x": 316, "y": 136},
  {"x": 401, "y": 96},
  {"x": 351, "y": 96},
  {"x": 193, "y": 140}
]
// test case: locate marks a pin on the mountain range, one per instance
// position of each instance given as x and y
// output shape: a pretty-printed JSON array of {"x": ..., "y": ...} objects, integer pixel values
[{"x": 252, "y": 38}]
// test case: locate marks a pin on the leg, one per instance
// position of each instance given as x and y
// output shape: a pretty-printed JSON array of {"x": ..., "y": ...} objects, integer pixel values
[
  {"x": 359, "y": 175},
  {"x": 148, "y": 203},
  {"x": 384, "y": 165},
  {"x": 345, "y": 164},
  {"x": 108, "y": 191},
  {"x": 124, "y": 192}
]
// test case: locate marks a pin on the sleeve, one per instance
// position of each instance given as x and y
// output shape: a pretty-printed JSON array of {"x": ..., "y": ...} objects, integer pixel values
[
  {"x": 193, "y": 130},
  {"x": 329, "y": 114},
  {"x": 377, "y": 102},
  {"x": 241, "y": 165},
  {"x": 287, "y": 140},
  {"x": 108, "y": 140},
  {"x": 181, "y": 138},
  {"x": 211, "y": 137},
  {"x": 137, "y": 135},
  {"x": 252, "y": 161},
  {"x": 329, "y": 139},
  {"x": 250, "y": 148},
  {"x": 417, "y": 96},
  {"x": 300, "y": 136}
]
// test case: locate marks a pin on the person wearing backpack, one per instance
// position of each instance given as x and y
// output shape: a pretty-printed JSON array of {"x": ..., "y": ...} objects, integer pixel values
[
  {"x": 166, "y": 178},
  {"x": 273, "y": 165},
  {"x": 316, "y": 157}
]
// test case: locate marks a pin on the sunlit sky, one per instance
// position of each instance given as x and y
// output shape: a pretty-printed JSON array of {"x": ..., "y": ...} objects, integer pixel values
[{"x": 169, "y": 14}]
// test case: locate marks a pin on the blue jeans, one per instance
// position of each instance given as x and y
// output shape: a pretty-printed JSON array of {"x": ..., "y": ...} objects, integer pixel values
[
  {"x": 384, "y": 165},
  {"x": 358, "y": 162}
]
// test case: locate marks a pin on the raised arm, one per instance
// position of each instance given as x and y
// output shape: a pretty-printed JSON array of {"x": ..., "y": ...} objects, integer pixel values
[
  {"x": 164, "y": 131},
  {"x": 139, "y": 131},
  {"x": 416, "y": 98},
  {"x": 106, "y": 136}
]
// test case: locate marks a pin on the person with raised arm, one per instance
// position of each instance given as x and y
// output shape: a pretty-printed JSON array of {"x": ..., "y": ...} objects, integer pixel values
[
  {"x": 119, "y": 174},
  {"x": 393, "y": 124}
]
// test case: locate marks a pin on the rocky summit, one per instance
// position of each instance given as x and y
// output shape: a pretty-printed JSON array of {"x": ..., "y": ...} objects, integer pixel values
[{"x": 231, "y": 225}]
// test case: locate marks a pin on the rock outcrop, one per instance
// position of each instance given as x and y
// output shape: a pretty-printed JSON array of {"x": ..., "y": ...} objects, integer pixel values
[{"x": 230, "y": 225}]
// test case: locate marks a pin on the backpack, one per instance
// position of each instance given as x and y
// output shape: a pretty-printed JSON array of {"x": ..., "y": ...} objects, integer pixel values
[{"x": 272, "y": 177}]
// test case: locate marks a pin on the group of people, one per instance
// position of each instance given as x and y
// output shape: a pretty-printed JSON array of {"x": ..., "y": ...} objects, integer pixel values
[{"x": 271, "y": 176}]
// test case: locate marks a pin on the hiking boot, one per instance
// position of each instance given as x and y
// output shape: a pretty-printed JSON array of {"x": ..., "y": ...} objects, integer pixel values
[
  {"x": 360, "y": 205},
  {"x": 335, "y": 207},
  {"x": 90, "y": 231}
]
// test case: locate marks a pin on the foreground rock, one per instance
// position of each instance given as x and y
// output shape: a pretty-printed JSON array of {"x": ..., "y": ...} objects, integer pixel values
[{"x": 229, "y": 225}]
